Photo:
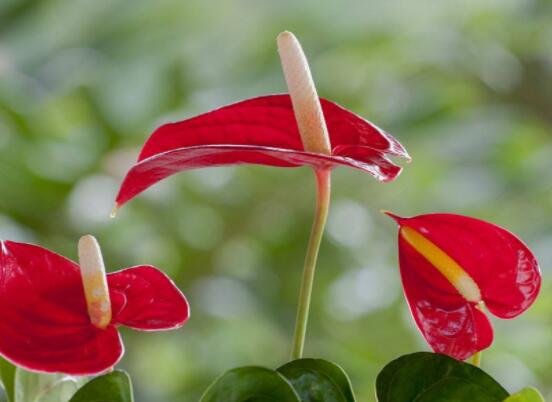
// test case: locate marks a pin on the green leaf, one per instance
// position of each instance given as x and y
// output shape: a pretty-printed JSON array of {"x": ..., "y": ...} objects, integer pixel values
[
  {"x": 526, "y": 395},
  {"x": 39, "y": 387},
  {"x": 455, "y": 390},
  {"x": 7, "y": 376},
  {"x": 317, "y": 380},
  {"x": 250, "y": 384},
  {"x": 432, "y": 377},
  {"x": 112, "y": 387}
]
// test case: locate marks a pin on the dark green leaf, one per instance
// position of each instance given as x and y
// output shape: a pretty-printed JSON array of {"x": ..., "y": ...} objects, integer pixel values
[
  {"x": 250, "y": 384},
  {"x": 454, "y": 389},
  {"x": 7, "y": 375},
  {"x": 431, "y": 377},
  {"x": 112, "y": 387},
  {"x": 317, "y": 380},
  {"x": 526, "y": 395}
]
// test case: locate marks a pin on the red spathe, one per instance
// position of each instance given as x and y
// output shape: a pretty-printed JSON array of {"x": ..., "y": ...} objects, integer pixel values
[
  {"x": 504, "y": 269},
  {"x": 45, "y": 324},
  {"x": 260, "y": 131}
]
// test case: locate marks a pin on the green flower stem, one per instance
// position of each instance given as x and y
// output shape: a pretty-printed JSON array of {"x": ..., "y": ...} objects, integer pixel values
[
  {"x": 476, "y": 359},
  {"x": 323, "y": 180}
]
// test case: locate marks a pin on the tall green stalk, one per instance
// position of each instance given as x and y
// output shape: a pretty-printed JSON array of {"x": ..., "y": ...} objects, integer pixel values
[{"x": 323, "y": 182}]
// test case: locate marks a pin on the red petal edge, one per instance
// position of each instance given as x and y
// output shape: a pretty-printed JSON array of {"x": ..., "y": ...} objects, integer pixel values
[
  {"x": 145, "y": 298},
  {"x": 260, "y": 131},
  {"x": 45, "y": 327}
]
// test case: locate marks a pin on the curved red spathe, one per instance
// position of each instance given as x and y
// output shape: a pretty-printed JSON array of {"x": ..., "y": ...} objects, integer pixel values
[
  {"x": 45, "y": 324},
  {"x": 260, "y": 131},
  {"x": 503, "y": 269}
]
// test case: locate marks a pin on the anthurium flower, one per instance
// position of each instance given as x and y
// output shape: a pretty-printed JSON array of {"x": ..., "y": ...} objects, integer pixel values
[
  {"x": 452, "y": 267},
  {"x": 260, "y": 131},
  {"x": 53, "y": 319}
]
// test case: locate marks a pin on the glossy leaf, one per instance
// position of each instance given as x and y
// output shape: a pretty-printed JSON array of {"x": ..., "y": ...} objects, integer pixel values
[
  {"x": 318, "y": 380},
  {"x": 259, "y": 131},
  {"x": 7, "y": 377},
  {"x": 526, "y": 395},
  {"x": 46, "y": 326},
  {"x": 456, "y": 389},
  {"x": 40, "y": 387},
  {"x": 432, "y": 377},
  {"x": 252, "y": 384},
  {"x": 449, "y": 265},
  {"x": 112, "y": 387}
]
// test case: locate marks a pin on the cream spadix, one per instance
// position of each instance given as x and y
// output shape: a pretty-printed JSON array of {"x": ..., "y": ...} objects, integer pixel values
[
  {"x": 94, "y": 281},
  {"x": 304, "y": 98}
]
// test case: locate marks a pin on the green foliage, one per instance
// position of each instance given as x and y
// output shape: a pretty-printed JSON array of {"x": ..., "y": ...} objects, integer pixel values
[
  {"x": 431, "y": 377},
  {"x": 318, "y": 380},
  {"x": 7, "y": 377},
  {"x": 526, "y": 395},
  {"x": 302, "y": 380},
  {"x": 25, "y": 386},
  {"x": 112, "y": 387},
  {"x": 39, "y": 387},
  {"x": 251, "y": 384}
]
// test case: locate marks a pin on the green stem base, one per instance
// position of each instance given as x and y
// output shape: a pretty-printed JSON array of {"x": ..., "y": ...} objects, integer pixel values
[{"x": 476, "y": 359}]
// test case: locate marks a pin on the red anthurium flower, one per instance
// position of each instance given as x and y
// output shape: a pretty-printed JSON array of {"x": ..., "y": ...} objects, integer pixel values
[
  {"x": 48, "y": 321},
  {"x": 451, "y": 267}
]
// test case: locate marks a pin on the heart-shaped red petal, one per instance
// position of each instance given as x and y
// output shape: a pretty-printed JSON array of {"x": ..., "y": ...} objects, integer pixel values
[
  {"x": 45, "y": 324},
  {"x": 450, "y": 264}
]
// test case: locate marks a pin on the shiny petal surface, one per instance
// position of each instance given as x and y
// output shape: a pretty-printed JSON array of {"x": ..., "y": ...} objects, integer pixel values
[
  {"x": 260, "y": 131},
  {"x": 449, "y": 324},
  {"x": 45, "y": 324},
  {"x": 503, "y": 268},
  {"x": 145, "y": 298}
]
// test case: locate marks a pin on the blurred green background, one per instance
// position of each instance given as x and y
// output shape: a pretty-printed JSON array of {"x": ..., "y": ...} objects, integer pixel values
[{"x": 465, "y": 86}]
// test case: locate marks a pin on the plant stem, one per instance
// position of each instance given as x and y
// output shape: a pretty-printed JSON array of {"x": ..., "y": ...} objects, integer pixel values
[
  {"x": 476, "y": 359},
  {"x": 323, "y": 179}
]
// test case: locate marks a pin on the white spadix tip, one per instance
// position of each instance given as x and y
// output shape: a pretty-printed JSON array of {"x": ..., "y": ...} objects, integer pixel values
[
  {"x": 94, "y": 281},
  {"x": 306, "y": 104}
]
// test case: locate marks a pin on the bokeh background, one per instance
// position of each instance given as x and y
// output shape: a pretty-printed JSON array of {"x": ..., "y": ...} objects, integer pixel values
[{"x": 465, "y": 86}]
